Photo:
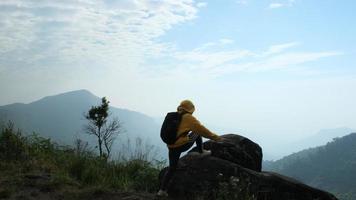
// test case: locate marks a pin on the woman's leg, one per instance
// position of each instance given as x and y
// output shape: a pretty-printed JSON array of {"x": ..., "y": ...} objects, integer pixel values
[
  {"x": 173, "y": 156},
  {"x": 173, "y": 163},
  {"x": 199, "y": 143},
  {"x": 194, "y": 137}
]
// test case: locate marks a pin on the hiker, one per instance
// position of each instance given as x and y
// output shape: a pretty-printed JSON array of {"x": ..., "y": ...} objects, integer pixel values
[{"x": 189, "y": 131}]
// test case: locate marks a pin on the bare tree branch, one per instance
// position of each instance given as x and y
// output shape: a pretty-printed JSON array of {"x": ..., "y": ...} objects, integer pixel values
[
  {"x": 110, "y": 133},
  {"x": 98, "y": 125}
]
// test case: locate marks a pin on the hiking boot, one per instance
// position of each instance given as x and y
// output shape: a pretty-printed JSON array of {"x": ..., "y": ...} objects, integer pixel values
[{"x": 162, "y": 193}]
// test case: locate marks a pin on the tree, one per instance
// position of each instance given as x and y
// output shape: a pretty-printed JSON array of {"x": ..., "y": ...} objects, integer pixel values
[{"x": 98, "y": 125}]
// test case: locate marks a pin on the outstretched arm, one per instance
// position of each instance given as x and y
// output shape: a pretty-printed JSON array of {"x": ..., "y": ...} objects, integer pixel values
[{"x": 198, "y": 128}]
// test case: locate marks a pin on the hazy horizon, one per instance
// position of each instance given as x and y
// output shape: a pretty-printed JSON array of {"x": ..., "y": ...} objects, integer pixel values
[
  {"x": 271, "y": 147},
  {"x": 277, "y": 70}
]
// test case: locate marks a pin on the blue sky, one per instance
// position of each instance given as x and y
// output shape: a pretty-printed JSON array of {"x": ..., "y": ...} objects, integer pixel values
[{"x": 263, "y": 68}]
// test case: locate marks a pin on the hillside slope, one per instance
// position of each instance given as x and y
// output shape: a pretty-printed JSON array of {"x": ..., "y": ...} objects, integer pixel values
[
  {"x": 331, "y": 167},
  {"x": 60, "y": 117}
]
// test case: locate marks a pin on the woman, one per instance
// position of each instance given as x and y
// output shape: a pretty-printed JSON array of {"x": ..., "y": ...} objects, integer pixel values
[{"x": 189, "y": 131}]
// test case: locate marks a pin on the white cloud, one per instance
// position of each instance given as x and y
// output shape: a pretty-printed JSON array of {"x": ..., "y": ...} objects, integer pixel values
[
  {"x": 59, "y": 33},
  {"x": 286, "y": 60},
  {"x": 221, "y": 43},
  {"x": 279, "y": 48},
  {"x": 275, "y": 5},
  {"x": 288, "y": 3},
  {"x": 202, "y": 4},
  {"x": 118, "y": 35},
  {"x": 107, "y": 46},
  {"x": 209, "y": 56},
  {"x": 212, "y": 61}
]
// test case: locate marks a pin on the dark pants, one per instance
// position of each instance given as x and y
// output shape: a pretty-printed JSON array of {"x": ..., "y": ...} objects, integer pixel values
[{"x": 174, "y": 154}]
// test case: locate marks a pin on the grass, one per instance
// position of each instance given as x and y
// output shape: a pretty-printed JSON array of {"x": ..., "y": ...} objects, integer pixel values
[
  {"x": 34, "y": 161},
  {"x": 5, "y": 193}
]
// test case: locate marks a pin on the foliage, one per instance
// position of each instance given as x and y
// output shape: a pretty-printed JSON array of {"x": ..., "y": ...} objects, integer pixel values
[
  {"x": 12, "y": 144},
  {"x": 331, "y": 167},
  {"x": 77, "y": 166},
  {"x": 99, "y": 126},
  {"x": 228, "y": 187}
]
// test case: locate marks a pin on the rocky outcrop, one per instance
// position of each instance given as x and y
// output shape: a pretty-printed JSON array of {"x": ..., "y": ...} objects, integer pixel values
[
  {"x": 237, "y": 149},
  {"x": 233, "y": 171}
]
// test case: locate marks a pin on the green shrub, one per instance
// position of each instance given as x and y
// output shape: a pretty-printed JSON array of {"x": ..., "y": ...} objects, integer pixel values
[
  {"x": 5, "y": 193},
  {"x": 234, "y": 188},
  {"x": 12, "y": 144},
  {"x": 40, "y": 146},
  {"x": 75, "y": 165},
  {"x": 145, "y": 179}
]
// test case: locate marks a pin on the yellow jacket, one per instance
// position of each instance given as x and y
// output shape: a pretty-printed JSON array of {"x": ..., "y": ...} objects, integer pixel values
[{"x": 190, "y": 123}]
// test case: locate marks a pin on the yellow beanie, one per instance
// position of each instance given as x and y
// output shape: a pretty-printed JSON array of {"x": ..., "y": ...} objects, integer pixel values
[{"x": 186, "y": 105}]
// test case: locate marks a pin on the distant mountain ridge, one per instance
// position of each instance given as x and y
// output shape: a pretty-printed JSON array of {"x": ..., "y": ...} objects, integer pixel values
[
  {"x": 321, "y": 138},
  {"x": 61, "y": 118},
  {"x": 330, "y": 167}
]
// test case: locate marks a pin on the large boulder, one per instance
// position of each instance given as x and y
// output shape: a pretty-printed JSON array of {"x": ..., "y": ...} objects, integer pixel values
[
  {"x": 236, "y": 149},
  {"x": 233, "y": 171}
]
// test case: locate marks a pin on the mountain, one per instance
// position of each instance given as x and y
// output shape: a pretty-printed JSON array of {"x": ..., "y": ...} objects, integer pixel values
[
  {"x": 273, "y": 147},
  {"x": 321, "y": 138},
  {"x": 61, "y": 117},
  {"x": 330, "y": 167}
]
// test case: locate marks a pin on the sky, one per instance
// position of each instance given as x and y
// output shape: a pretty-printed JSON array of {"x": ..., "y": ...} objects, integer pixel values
[{"x": 269, "y": 69}]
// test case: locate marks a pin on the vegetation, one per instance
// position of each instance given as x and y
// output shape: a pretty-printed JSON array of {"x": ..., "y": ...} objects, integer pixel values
[
  {"x": 234, "y": 189},
  {"x": 331, "y": 167},
  {"x": 33, "y": 160},
  {"x": 99, "y": 126}
]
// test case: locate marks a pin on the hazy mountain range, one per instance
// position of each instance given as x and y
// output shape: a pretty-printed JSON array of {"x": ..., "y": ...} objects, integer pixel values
[
  {"x": 331, "y": 167},
  {"x": 321, "y": 138},
  {"x": 61, "y": 117}
]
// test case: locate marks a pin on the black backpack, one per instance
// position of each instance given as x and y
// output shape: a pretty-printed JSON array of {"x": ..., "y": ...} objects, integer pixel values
[{"x": 170, "y": 127}]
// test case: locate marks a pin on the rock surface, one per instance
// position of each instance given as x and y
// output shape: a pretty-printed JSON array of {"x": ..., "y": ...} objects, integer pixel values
[
  {"x": 237, "y": 149},
  {"x": 233, "y": 171}
]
